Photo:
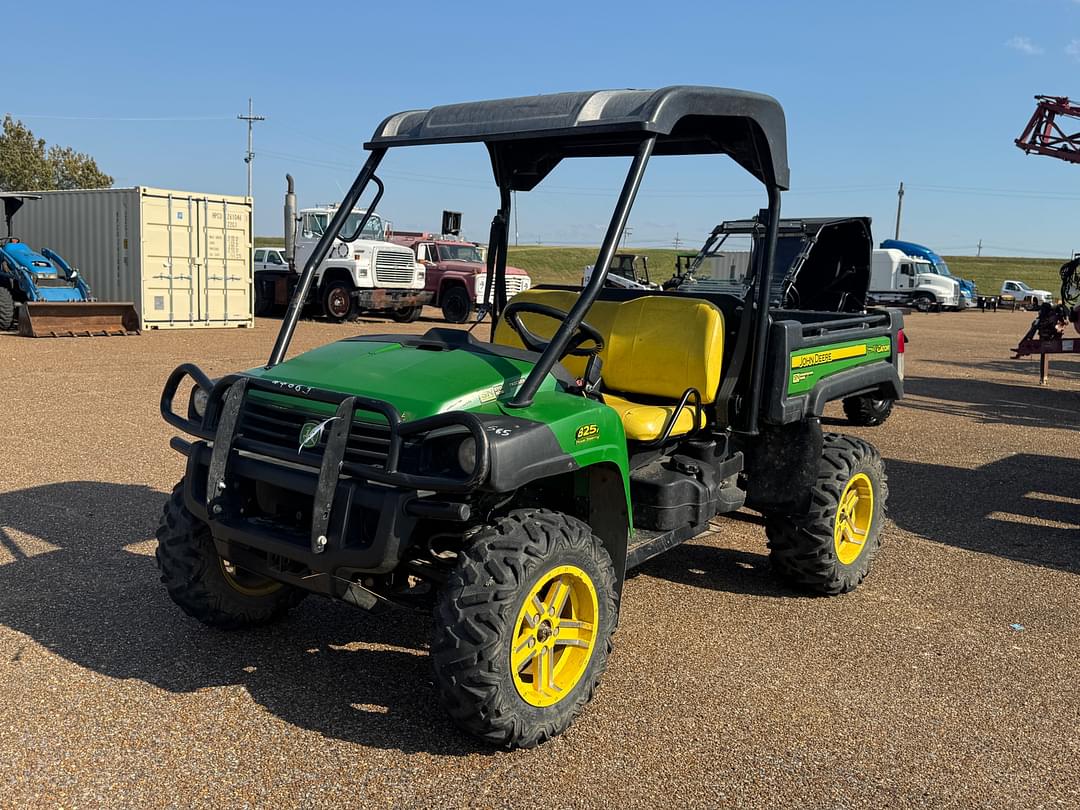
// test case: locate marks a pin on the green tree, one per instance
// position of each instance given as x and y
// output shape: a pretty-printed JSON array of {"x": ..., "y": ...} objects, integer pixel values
[{"x": 27, "y": 165}]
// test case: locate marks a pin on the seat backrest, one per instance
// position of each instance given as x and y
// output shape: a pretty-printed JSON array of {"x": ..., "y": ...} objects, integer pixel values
[{"x": 655, "y": 345}]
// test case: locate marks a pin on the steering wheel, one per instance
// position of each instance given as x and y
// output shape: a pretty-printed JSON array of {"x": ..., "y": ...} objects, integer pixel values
[{"x": 584, "y": 333}]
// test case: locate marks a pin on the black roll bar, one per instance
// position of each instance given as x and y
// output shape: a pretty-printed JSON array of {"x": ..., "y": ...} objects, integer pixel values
[
  {"x": 760, "y": 312},
  {"x": 300, "y": 294},
  {"x": 559, "y": 341}
]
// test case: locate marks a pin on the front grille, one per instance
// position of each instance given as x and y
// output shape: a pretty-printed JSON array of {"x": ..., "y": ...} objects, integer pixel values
[
  {"x": 394, "y": 268},
  {"x": 516, "y": 284},
  {"x": 369, "y": 442}
]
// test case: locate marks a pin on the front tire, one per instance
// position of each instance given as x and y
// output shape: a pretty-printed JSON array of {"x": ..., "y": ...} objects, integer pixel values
[
  {"x": 866, "y": 411},
  {"x": 924, "y": 303},
  {"x": 7, "y": 310},
  {"x": 205, "y": 586},
  {"x": 523, "y": 628},
  {"x": 337, "y": 301},
  {"x": 457, "y": 306},
  {"x": 831, "y": 548}
]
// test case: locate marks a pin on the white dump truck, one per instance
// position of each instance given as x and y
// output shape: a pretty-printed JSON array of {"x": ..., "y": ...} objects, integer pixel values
[
  {"x": 361, "y": 272},
  {"x": 899, "y": 279}
]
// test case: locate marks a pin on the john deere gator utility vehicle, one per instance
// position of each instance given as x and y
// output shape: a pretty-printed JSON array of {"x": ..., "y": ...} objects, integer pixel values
[{"x": 508, "y": 486}]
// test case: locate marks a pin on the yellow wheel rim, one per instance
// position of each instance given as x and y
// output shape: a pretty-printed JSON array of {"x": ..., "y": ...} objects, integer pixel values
[
  {"x": 247, "y": 583},
  {"x": 554, "y": 635},
  {"x": 853, "y": 517}
]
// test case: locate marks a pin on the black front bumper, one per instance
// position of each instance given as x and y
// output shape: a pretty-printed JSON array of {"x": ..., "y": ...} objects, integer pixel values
[{"x": 361, "y": 515}]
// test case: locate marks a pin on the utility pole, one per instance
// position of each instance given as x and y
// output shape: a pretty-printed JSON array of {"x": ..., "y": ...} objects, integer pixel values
[
  {"x": 899, "y": 208},
  {"x": 980, "y": 248},
  {"x": 251, "y": 118}
]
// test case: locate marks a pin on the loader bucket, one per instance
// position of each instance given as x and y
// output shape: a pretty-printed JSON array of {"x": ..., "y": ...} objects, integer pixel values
[{"x": 77, "y": 319}]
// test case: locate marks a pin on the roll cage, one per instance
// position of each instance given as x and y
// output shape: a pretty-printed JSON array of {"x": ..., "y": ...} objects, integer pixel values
[{"x": 528, "y": 137}]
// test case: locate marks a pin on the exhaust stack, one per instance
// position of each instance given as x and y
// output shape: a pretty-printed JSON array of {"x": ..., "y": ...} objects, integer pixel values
[{"x": 290, "y": 223}]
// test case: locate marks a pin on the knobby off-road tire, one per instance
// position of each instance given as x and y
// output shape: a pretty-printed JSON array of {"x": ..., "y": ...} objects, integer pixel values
[
  {"x": 822, "y": 551},
  {"x": 7, "y": 310},
  {"x": 867, "y": 411},
  {"x": 203, "y": 585},
  {"x": 486, "y": 617}
]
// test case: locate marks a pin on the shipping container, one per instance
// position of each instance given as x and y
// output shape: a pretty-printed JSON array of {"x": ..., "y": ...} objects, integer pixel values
[{"x": 183, "y": 258}]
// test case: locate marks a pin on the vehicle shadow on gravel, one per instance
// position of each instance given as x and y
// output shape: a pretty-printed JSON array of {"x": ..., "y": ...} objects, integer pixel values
[
  {"x": 995, "y": 402},
  {"x": 719, "y": 568},
  {"x": 77, "y": 575},
  {"x": 1023, "y": 507}
]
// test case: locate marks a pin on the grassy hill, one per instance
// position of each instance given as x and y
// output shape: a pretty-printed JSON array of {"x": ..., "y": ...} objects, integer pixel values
[{"x": 564, "y": 265}]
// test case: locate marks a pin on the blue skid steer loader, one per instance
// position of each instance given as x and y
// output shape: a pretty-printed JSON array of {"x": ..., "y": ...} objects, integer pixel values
[{"x": 44, "y": 296}]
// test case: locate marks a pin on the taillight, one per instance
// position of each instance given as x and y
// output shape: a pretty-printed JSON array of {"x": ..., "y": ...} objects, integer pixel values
[{"x": 900, "y": 341}]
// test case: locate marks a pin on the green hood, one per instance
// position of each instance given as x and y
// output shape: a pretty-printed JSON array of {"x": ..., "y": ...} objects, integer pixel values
[{"x": 419, "y": 382}]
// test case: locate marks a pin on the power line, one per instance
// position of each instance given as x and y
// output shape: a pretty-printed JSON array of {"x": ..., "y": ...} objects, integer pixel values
[{"x": 122, "y": 118}]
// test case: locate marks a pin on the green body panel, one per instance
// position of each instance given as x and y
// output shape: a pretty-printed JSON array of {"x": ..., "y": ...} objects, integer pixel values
[
  {"x": 806, "y": 368},
  {"x": 418, "y": 382},
  {"x": 422, "y": 383}
]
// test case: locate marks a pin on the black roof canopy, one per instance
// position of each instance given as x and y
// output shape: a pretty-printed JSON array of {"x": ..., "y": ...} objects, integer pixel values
[{"x": 528, "y": 136}]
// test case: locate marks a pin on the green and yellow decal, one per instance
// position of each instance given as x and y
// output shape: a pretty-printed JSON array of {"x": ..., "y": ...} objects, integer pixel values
[{"x": 810, "y": 367}]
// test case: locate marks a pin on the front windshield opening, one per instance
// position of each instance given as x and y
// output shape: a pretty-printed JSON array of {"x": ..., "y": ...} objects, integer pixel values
[
  {"x": 942, "y": 268},
  {"x": 1022, "y": 285},
  {"x": 317, "y": 224},
  {"x": 460, "y": 253}
]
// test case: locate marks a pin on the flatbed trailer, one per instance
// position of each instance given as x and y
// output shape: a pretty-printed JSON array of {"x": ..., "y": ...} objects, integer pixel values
[{"x": 1045, "y": 348}]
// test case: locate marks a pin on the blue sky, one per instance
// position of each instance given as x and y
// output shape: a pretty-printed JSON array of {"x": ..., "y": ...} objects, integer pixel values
[{"x": 931, "y": 93}]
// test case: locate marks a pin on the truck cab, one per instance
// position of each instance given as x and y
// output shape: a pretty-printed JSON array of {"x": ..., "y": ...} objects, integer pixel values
[
  {"x": 897, "y": 278},
  {"x": 968, "y": 292},
  {"x": 363, "y": 270},
  {"x": 457, "y": 274}
]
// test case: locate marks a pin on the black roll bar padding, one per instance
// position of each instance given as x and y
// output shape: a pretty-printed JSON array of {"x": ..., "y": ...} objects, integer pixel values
[
  {"x": 496, "y": 261},
  {"x": 303, "y": 286},
  {"x": 761, "y": 312},
  {"x": 168, "y": 393},
  {"x": 669, "y": 424},
  {"x": 556, "y": 347},
  {"x": 367, "y": 214}
]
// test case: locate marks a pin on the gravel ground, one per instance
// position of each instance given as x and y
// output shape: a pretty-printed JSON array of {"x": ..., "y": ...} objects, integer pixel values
[{"x": 949, "y": 679}]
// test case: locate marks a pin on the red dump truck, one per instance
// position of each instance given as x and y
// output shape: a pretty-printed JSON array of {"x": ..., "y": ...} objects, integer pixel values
[{"x": 456, "y": 272}]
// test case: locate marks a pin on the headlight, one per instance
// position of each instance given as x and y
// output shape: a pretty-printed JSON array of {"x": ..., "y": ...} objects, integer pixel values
[
  {"x": 466, "y": 454},
  {"x": 199, "y": 398},
  {"x": 362, "y": 271},
  {"x": 448, "y": 452},
  {"x": 421, "y": 273}
]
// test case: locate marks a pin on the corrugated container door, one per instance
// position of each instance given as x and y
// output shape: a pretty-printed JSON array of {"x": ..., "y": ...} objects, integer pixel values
[
  {"x": 170, "y": 272},
  {"x": 226, "y": 299}
]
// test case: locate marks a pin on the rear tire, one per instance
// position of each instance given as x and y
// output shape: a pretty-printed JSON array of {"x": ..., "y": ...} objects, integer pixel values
[
  {"x": 510, "y": 673},
  {"x": 7, "y": 310},
  {"x": 264, "y": 299},
  {"x": 830, "y": 549},
  {"x": 456, "y": 305},
  {"x": 208, "y": 588},
  {"x": 408, "y": 315},
  {"x": 866, "y": 411},
  {"x": 337, "y": 301}
]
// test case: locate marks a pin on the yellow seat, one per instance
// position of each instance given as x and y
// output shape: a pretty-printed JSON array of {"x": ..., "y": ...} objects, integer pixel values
[
  {"x": 643, "y": 423},
  {"x": 655, "y": 347}
]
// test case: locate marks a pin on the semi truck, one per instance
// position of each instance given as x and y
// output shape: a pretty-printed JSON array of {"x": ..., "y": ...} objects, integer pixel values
[
  {"x": 362, "y": 271},
  {"x": 969, "y": 296},
  {"x": 898, "y": 278}
]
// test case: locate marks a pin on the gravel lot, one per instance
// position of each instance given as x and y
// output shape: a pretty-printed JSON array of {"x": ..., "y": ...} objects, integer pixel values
[{"x": 949, "y": 679}]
